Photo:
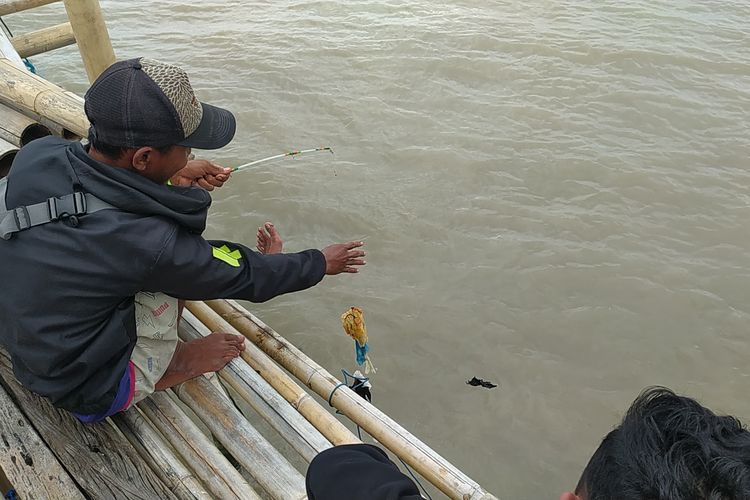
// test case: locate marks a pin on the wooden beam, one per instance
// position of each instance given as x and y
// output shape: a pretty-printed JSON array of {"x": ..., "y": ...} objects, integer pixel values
[
  {"x": 197, "y": 450},
  {"x": 18, "y": 129},
  {"x": 29, "y": 465},
  {"x": 91, "y": 33},
  {"x": 97, "y": 456},
  {"x": 44, "y": 40},
  {"x": 267, "y": 466},
  {"x": 12, "y": 6},
  {"x": 153, "y": 448},
  {"x": 314, "y": 412},
  {"x": 263, "y": 398},
  {"x": 30, "y": 93}
]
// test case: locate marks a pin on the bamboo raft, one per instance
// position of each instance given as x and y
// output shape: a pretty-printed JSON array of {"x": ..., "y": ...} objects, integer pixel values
[{"x": 194, "y": 441}]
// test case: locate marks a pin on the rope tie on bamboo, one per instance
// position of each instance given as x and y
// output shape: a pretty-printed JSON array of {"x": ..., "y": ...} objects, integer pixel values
[
  {"x": 361, "y": 386},
  {"x": 330, "y": 396}
]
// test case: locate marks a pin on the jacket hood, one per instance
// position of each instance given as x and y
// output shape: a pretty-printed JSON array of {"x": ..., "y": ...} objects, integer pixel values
[{"x": 134, "y": 193}]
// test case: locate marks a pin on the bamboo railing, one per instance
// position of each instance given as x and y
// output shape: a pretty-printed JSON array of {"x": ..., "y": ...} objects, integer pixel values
[{"x": 44, "y": 40}]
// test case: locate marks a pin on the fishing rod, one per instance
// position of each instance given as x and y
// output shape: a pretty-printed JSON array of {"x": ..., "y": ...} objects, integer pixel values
[{"x": 282, "y": 155}]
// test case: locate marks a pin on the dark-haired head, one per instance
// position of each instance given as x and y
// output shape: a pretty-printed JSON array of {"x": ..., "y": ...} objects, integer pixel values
[
  {"x": 117, "y": 152},
  {"x": 156, "y": 163},
  {"x": 669, "y": 447}
]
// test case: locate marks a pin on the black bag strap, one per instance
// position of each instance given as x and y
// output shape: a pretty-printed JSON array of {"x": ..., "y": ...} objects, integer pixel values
[{"x": 54, "y": 209}]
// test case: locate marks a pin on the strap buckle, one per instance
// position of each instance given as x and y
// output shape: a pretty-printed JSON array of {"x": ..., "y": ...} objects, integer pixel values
[
  {"x": 67, "y": 206},
  {"x": 79, "y": 203},
  {"x": 52, "y": 208},
  {"x": 23, "y": 221}
]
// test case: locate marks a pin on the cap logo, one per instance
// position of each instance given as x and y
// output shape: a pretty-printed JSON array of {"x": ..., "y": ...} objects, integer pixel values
[{"x": 174, "y": 82}]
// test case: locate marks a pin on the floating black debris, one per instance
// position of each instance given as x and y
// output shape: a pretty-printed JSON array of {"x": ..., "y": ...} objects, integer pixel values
[{"x": 478, "y": 381}]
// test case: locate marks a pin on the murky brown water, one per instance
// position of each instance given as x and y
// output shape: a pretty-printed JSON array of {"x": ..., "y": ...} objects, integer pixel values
[{"x": 554, "y": 195}]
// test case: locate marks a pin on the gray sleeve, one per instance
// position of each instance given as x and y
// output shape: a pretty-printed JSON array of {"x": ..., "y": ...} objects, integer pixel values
[{"x": 190, "y": 267}]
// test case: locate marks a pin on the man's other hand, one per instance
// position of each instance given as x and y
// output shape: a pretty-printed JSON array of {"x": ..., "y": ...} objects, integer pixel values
[
  {"x": 203, "y": 173},
  {"x": 343, "y": 257}
]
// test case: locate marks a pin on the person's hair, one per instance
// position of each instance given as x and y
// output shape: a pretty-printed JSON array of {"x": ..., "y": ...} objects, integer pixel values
[
  {"x": 117, "y": 152},
  {"x": 669, "y": 447}
]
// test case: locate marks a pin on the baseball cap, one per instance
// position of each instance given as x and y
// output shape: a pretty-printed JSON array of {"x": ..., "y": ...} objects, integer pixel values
[{"x": 143, "y": 102}]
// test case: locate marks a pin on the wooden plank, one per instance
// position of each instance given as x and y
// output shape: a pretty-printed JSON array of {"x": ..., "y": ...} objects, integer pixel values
[
  {"x": 44, "y": 40},
  {"x": 269, "y": 468},
  {"x": 12, "y": 6},
  {"x": 28, "y": 464},
  {"x": 97, "y": 456}
]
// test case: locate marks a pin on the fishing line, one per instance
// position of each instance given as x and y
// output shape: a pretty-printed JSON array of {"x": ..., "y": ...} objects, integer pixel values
[
  {"x": 282, "y": 155},
  {"x": 359, "y": 434},
  {"x": 7, "y": 30}
]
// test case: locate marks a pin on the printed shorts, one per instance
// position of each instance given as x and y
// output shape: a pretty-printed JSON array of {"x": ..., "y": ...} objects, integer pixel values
[{"x": 156, "y": 321}]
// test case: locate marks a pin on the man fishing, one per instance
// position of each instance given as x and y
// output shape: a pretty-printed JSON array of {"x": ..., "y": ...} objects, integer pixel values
[{"x": 97, "y": 248}]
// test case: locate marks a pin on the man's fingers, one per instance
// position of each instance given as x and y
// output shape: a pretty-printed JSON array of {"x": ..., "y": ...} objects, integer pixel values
[
  {"x": 205, "y": 184},
  {"x": 354, "y": 244},
  {"x": 214, "y": 168},
  {"x": 356, "y": 253},
  {"x": 356, "y": 262},
  {"x": 214, "y": 180},
  {"x": 349, "y": 269}
]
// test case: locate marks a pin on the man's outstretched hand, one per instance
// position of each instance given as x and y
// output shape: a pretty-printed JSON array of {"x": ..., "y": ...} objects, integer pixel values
[
  {"x": 340, "y": 258},
  {"x": 203, "y": 173},
  {"x": 344, "y": 257}
]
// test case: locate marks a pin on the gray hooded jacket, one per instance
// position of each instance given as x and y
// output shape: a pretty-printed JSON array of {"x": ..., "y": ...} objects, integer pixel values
[{"x": 67, "y": 312}]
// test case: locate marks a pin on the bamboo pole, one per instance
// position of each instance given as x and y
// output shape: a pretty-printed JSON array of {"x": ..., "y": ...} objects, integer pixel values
[
  {"x": 7, "y": 154},
  {"x": 219, "y": 476},
  {"x": 259, "y": 394},
  {"x": 18, "y": 129},
  {"x": 159, "y": 455},
  {"x": 269, "y": 468},
  {"x": 317, "y": 415},
  {"x": 421, "y": 457},
  {"x": 12, "y": 6},
  {"x": 29, "y": 92},
  {"x": 92, "y": 36},
  {"x": 44, "y": 40}
]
